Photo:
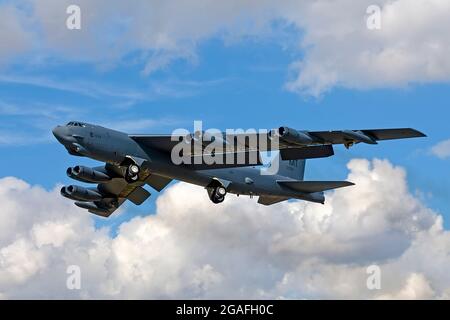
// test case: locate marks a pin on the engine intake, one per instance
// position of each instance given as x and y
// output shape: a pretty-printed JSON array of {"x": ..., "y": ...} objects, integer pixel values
[
  {"x": 80, "y": 193},
  {"x": 293, "y": 136},
  {"x": 86, "y": 174}
]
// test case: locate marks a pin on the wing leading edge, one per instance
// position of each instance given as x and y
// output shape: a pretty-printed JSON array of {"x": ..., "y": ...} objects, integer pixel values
[
  {"x": 294, "y": 144},
  {"x": 370, "y": 136}
]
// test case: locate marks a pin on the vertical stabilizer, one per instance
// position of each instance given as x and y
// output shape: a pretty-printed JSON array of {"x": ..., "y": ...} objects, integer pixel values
[{"x": 294, "y": 169}]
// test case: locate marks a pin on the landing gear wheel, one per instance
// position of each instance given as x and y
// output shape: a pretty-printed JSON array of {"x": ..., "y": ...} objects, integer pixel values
[
  {"x": 132, "y": 174},
  {"x": 218, "y": 200},
  {"x": 133, "y": 169},
  {"x": 218, "y": 194},
  {"x": 131, "y": 179},
  {"x": 221, "y": 191}
]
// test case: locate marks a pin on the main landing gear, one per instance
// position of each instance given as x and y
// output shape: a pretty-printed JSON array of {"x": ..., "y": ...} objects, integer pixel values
[
  {"x": 217, "y": 194},
  {"x": 132, "y": 173}
]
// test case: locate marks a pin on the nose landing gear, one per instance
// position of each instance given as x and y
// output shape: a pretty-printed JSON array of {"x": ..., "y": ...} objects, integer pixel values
[{"x": 217, "y": 194}]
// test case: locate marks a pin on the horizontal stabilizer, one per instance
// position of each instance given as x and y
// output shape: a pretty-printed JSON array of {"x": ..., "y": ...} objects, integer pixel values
[
  {"x": 313, "y": 186},
  {"x": 269, "y": 200}
]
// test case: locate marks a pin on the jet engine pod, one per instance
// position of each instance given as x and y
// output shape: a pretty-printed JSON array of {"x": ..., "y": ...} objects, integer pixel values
[
  {"x": 80, "y": 193},
  {"x": 86, "y": 174},
  {"x": 290, "y": 135},
  {"x": 359, "y": 136}
]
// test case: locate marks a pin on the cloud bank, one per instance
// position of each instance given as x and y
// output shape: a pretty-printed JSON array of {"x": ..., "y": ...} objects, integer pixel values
[
  {"x": 193, "y": 249},
  {"x": 442, "y": 149},
  {"x": 336, "y": 46}
]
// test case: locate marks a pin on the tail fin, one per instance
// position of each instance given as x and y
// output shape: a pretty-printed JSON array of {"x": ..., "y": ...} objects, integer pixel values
[{"x": 294, "y": 169}]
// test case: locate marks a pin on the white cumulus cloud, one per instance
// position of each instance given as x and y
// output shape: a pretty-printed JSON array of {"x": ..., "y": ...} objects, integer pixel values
[
  {"x": 192, "y": 248},
  {"x": 14, "y": 36},
  {"x": 336, "y": 46},
  {"x": 410, "y": 47},
  {"x": 442, "y": 149}
]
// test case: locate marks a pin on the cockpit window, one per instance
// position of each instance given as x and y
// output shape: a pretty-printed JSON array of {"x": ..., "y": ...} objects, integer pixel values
[{"x": 76, "y": 124}]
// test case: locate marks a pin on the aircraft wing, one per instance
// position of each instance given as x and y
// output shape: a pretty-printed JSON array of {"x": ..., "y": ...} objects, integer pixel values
[
  {"x": 370, "y": 136},
  {"x": 118, "y": 190},
  {"x": 241, "y": 156},
  {"x": 293, "y": 144},
  {"x": 242, "y": 147}
]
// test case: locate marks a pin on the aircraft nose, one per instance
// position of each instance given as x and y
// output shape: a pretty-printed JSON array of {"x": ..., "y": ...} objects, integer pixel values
[
  {"x": 61, "y": 134},
  {"x": 57, "y": 132}
]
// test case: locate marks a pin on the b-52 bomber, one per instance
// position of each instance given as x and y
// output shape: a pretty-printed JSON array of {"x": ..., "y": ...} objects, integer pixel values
[{"x": 221, "y": 162}]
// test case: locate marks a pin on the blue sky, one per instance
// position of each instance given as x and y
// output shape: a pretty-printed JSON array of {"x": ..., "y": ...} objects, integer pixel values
[{"x": 229, "y": 86}]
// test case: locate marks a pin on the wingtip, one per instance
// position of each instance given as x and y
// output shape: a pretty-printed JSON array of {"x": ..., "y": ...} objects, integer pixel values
[{"x": 420, "y": 134}]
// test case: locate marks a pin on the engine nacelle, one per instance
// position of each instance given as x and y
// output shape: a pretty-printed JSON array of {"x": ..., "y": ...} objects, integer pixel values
[
  {"x": 359, "y": 136},
  {"x": 80, "y": 193},
  {"x": 293, "y": 136},
  {"x": 86, "y": 174}
]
